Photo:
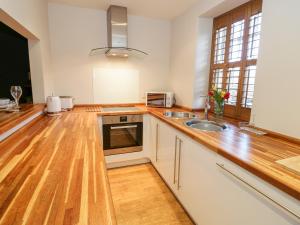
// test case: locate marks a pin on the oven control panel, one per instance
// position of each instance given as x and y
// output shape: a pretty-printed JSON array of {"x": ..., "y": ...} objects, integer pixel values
[{"x": 122, "y": 119}]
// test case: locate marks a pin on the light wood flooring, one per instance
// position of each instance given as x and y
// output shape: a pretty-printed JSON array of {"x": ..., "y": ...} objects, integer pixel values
[{"x": 142, "y": 198}]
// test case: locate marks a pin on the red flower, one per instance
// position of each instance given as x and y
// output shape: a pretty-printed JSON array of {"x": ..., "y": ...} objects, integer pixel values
[
  {"x": 211, "y": 93},
  {"x": 227, "y": 95}
]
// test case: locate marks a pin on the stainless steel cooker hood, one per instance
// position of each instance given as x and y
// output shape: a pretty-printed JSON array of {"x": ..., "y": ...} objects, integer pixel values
[{"x": 117, "y": 35}]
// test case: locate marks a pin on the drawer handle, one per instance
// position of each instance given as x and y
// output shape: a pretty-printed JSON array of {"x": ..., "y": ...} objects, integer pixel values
[
  {"x": 179, "y": 164},
  {"x": 156, "y": 143},
  {"x": 175, "y": 160},
  {"x": 260, "y": 192}
]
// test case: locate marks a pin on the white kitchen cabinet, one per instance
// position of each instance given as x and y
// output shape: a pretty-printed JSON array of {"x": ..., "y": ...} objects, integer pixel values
[
  {"x": 152, "y": 135},
  {"x": 166, "y": 152},
  {"x": 248, "y": 200},
  {"x": 210, "y": 194},
  {"x": 195, "y": 181},
  {"x": 214, "y": 196},
  {"x": 162, "y": 154}
]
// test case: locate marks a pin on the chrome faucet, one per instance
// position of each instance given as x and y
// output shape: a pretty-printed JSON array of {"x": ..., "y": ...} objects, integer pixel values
[{"x": 207, "y": 106}]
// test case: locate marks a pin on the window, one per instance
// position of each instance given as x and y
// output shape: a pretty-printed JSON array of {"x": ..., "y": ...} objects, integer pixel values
[
  {"x": 220, "y": 45},
  {"x": 235, "y": 46}
]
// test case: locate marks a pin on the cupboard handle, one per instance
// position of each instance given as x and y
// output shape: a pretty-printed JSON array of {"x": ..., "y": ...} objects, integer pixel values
[
  {"x": 175, "y": 160},
  {"x": 260, "y": 192},
  {"x": 156, "y": 143},
  {"x": 179, "y": 164}
]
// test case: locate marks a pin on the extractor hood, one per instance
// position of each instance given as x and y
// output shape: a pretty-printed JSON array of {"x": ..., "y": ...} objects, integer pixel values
[{"x": 117, "y": 35}]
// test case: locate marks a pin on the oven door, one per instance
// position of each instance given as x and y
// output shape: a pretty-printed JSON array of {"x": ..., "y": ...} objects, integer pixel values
[
  {"x": 122, "y": 138},
  {"x": 156, "y": 99}
]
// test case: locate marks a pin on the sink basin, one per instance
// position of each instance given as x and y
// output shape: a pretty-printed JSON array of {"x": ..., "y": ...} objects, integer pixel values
[
  {"x": 205, "y": 125},
  {"x": 179, "y": 115}
]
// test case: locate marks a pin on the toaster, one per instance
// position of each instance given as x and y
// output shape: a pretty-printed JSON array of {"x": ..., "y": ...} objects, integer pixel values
[{"x": 67, "y": 102}]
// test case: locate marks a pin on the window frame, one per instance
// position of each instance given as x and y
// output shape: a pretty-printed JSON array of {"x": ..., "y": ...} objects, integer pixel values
[{"x": 243, "y": 12}]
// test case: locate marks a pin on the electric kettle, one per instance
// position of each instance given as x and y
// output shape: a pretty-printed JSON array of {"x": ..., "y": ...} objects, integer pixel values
[{"x": 53, "y": 104}]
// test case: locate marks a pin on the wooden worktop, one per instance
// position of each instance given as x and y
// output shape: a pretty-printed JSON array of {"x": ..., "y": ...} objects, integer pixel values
[{"x": 53, "y": 172}]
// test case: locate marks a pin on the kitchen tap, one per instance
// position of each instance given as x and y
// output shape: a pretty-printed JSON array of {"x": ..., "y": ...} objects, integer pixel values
[{"x": 207, "y": 106}]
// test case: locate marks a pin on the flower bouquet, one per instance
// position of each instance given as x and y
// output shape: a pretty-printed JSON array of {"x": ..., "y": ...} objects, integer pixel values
[{"x": 219, "y": 95}]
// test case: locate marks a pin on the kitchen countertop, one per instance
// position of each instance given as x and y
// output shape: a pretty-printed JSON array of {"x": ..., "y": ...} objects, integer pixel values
[{"x": 53, "y": 171}]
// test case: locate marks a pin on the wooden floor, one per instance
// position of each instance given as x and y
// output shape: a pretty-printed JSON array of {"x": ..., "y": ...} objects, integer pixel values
[{"x": 141, "y": 198}]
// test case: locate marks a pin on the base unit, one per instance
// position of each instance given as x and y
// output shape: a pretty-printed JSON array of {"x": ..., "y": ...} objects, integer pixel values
[
  {"x": 214, "y": 190},
  {"x": 253, "y": 201}
]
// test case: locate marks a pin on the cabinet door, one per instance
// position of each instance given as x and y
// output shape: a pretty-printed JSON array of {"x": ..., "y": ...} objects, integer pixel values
[
  {"x": 166, "y": 152},
  {"x": 213, "y": 196},
  {"x": 147, "y": 135},
  {"x": 246, "y": 199},
  {"x": 162, "y": 149},
  {"x": 195, "y": 181},
  {"x": 153, "y": 140}
]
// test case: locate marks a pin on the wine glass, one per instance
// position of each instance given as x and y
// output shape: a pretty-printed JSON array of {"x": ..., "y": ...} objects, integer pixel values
[{"x": 16, "y": 92}]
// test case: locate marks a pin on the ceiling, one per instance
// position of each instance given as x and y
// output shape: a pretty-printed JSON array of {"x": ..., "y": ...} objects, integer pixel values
[{"x": 162, "y": 9}]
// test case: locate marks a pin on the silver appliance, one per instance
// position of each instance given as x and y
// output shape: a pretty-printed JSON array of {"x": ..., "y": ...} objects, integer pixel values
[
  {"x": 122, "y": 134},
  {"x": 67, "y": 102},
  {"x": 160, "y": 99},
  {"x": 117, "y": 35}
]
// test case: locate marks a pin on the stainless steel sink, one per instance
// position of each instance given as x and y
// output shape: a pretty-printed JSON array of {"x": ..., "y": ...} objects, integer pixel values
[
  {"x": 179, "y": 115},
  {"x": 205, "y": 125}
]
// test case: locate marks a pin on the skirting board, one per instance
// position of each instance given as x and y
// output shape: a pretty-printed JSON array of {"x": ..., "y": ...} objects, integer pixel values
[{"x": 127, "y": 163}]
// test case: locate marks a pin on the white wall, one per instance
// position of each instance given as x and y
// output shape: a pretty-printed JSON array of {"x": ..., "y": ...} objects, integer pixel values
[
  {"x": 74, "y": 31},
  {"x": 33, "y": 15},
  {"x": 190, "y": 50},
  {"x": 276, "y": 100},
  {"x": 202, "y": 62},
  {"x": 186, "y": 29}
]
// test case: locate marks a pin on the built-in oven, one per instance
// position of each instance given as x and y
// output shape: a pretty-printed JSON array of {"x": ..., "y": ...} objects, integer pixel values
[{"x": 122, "y": 134}]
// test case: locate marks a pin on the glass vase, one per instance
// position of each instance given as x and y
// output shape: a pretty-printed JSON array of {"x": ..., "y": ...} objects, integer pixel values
[{"x": 219, "y": 108}]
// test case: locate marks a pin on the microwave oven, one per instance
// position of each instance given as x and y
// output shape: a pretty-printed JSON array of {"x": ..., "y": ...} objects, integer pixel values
[{"x": 160, "y": 99}]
